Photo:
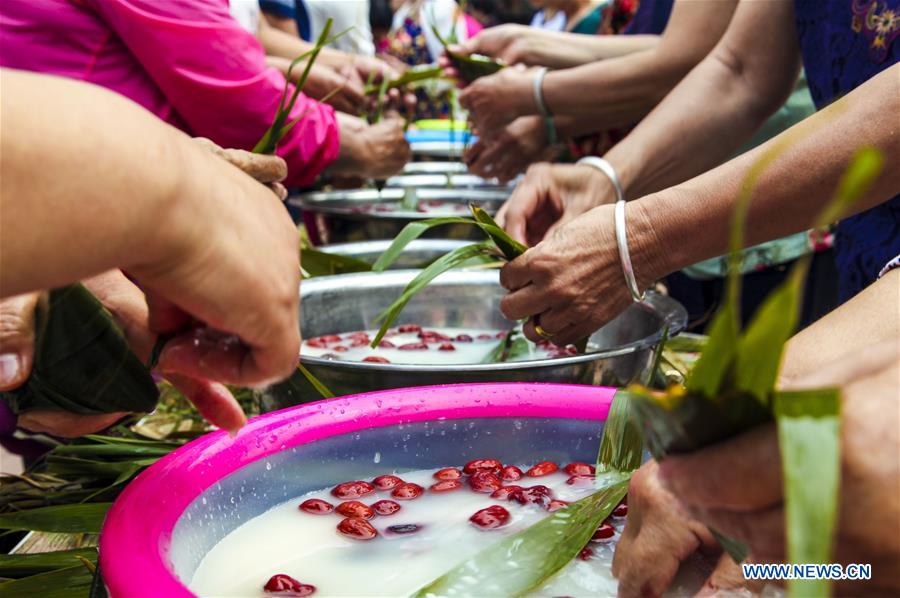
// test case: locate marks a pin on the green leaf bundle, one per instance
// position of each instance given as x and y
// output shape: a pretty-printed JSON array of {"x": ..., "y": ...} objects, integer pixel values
[
  {"x": 82, "y": 363},
  {"x": 471, "y": 66}
]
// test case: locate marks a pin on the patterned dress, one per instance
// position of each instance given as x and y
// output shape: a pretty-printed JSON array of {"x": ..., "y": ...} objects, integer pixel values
[{"x": 844, "y": 44}]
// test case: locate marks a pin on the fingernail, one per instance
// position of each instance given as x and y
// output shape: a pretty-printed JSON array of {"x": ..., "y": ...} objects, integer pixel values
[{"x": 10, "y": 368}]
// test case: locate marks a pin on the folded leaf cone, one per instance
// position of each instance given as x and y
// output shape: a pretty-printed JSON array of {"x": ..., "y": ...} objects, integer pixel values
[{"x": 82, "y": 363}]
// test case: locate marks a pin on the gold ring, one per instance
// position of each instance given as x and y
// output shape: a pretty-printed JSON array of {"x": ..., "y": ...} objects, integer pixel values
[{"x": 541, "y": 332}]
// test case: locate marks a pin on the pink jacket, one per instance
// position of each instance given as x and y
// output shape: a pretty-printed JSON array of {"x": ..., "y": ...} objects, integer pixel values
[{"x": 187, "y": 61}]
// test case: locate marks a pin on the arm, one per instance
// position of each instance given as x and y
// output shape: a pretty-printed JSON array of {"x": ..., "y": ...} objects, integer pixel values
[
  {"x": 214, "y": 74},
  {"x": 610, "y": 93},
  {"x": 688, "y": 134},
  {"x": 620, "y": 92},
  {"x": 683, "y": 136},
  {"x": 823, "y": 144},
  {"x": 520, "y": 44},
  {"x": 126, "y": 191},
  {"x": 573, "y": 279}
]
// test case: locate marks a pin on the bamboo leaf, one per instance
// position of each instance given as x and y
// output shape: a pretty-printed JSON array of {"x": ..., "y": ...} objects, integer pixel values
[
  {"x": 497, "y": 353},
  {"x": 510, "y": 247},
  {"x": 323, "y": 390},
  {"x": 23, "y": 565},
  {"x": 522, "y": 562},
  {"x": 412, "y": 75},
  {"x": 622, "y": 444},
  {"x": 709, "y": 372},
  {"x": 439, "y": 266},
  {"x": 98, "y": 588},
  {"x": 107, "y": 451},
  {"x": 809, "y": 440},
  {"x": 687, "y": 343},
  {"x": 280, "y": 126},
  {"x": 472, "y": 66},
  {"x": 61, "y": 583},
  {"x": 63, "y": 518},
  {"x": 760, "y": 348},
  {"x": 322, "y": 263},
  {"x": 410, "y": 233},
  {"x": 82, "y": 362}
]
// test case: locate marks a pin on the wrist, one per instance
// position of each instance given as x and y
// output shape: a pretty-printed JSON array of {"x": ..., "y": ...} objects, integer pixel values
[
  {"x": 646, "y": 242},
  {"x": 353, "y": 147},
  {"x": 180, "y": 202}
]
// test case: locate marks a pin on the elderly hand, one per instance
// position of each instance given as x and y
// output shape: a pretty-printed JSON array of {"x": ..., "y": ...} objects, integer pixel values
[
  {"x": 497, "y": 100},
  {"x": 658, "y": 536},
  {"x": 551, "y": 196},
  {"x": 517, "y": 44},
  {"x": 507, "y": 153},
  {"x": 128, "y": 307},
  {"x": 386, "y": 150},
  {"x": 266, "y": 169},
  {"x": 572, "y": 282},
  {"x": 735, "y": 487}
]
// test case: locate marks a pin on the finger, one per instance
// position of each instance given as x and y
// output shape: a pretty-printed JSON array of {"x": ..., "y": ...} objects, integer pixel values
[
  {"x": 726, "y": 578},
  {"x": 164, "y": 316},
  {"x": 65, "y": 424},
  {"x": 128, "y": 306},
  {"x": 520, "y": 206},
  {"x": 762, "y": 531},
  {"x": 471, "y": 153},
  {"x": 517, "y": 273},
  {"x": 525, "y": 303},
  {"x": 567, "y": 216},
  {"x": 263, "y": 168},
  {"x": 649, "y": 575},
  {"x": 741, "y": 474},
  {"x": 573, "y": 333},
  {"x": 279, "y": 190},
  {"x": 554, "y": 319},
  {"x": 16, "y": 339},
  {"x": 488, "y": 159},
  {"x": 508, "y": 167},
  {"x": 209, "y": 355},
  {"x": 214, "y": 401}
]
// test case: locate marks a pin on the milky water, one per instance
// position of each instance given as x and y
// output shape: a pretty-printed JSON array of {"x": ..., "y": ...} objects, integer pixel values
[
  {"x": 451, "y": 351},
  {"x": 310, "y": 549}
]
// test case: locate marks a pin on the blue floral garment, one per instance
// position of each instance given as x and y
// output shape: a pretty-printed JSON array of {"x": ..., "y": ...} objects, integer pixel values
[{"x": 844, "y": 44}]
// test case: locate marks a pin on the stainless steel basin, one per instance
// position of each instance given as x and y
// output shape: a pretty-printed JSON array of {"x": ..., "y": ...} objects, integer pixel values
[
  {"x": 348, "y": 216},
  {"x": 417, "y": 254},
  {"x": 463, "y": 298}
]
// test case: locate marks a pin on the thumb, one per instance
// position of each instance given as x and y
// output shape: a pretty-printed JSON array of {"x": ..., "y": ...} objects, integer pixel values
[{"x": 16, "y": 339}]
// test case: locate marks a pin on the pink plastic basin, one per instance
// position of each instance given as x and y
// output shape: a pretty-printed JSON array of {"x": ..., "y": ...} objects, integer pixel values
[{"x": 166, "y": 520}]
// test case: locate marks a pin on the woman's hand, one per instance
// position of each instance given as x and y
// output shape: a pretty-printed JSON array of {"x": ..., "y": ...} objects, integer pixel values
[
  {"x": 518, "y": 44},
  {"x": 222, "y": 276},
  {"x": 658, "y": 536},
  {"x": 497, "y": 100},
  {"x": 571, "y": 283},
  {"x": 551, "y": 196},
  {"x": 128, "y": 307},
  {"x": 371, "y": 151},
  {"x": 506, "y": 154},
  {"x": 736, "y": 486},
  {"x": 267, "y": 169}
]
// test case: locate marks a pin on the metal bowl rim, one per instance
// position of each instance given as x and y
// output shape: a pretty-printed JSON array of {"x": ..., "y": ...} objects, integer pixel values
[{"x": 672, "y": 313}]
